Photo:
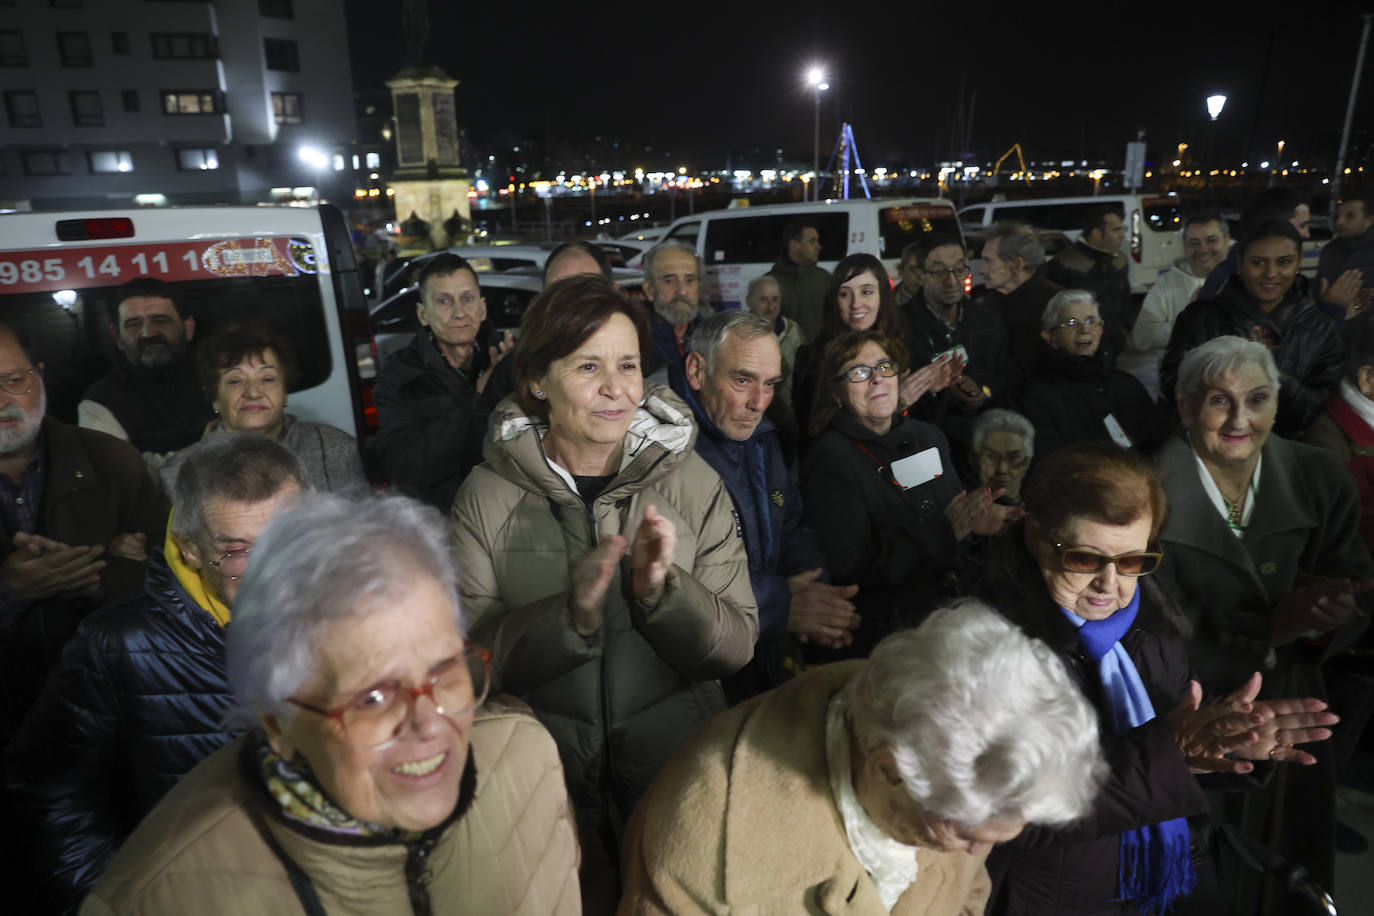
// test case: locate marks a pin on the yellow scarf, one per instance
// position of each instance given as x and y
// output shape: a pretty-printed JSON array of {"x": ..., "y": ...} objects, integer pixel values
[{"x": 191, "y": 581}]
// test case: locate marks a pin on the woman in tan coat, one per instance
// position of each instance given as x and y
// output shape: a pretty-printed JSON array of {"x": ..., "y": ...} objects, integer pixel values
[
  {"x": 370, "y": 783},
  {"x": 870, "y": 787}
]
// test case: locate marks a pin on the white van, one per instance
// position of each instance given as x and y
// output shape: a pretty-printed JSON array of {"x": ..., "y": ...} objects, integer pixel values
[
  {"x": 739, "y": 244},
  {"x": 291, "y": 267},
  {"x": 1154, "y": 226}
]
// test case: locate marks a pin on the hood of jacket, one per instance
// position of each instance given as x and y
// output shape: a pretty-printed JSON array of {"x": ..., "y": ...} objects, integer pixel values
[{"x": 660, "y": 436}]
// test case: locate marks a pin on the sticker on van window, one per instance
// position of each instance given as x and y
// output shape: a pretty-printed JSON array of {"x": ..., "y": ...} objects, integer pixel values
[
  {"x": 52, "y": 269},
  {"x": 904, "y": 214}
]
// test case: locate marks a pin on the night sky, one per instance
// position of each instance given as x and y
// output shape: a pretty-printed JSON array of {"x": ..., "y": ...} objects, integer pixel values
[{"x": 703, "y": 83}]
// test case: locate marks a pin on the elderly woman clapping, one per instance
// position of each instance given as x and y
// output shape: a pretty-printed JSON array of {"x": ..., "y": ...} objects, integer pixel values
[
  {"x": 372, "y": 780},
  {"x": 1072, "y": 576},
  {"x": 870, "y": 787},
  {"x": 1264, "y": 549}
]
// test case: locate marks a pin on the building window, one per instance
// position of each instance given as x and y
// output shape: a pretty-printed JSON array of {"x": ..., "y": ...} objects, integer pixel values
[
  {"x": 86, "y": 108},
  {"x": 281, "y": 55},
  {"x": 111, "y": 160},
  {"x": 119, "y": 42},
  {"x": 277, "y": 9},
  {"x": 287, "y": 108},
  {"x": 22, "y": 108},
  {"x": 184, "y": 46},
  {"x": 192, "y": 102},
  {"x": 12, "y": 53},
  {"x": 129, "y": 98},
  {"x": 74, "y": 48},
  {"x": 197, "y": 160},
  {"x": 374, "y": 160},
  {"x": 44, "y": 162}
]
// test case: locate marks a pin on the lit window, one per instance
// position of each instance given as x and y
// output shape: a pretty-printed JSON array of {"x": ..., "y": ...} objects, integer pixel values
[
  {"x": 374, "y": 160},
  {"x": 287, "y": 108},
  {"x": 104, "y": 161},
  {"x": 192, "y": 102},
  {"x": 197, "y": 160}
]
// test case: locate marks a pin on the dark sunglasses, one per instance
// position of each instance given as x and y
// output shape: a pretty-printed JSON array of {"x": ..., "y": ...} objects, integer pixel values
[{"x": 1074, "y": 560}]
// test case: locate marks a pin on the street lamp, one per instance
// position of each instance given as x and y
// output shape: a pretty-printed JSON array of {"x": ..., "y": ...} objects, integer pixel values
[
  {"x": 317, "y": 161},
  {"x": 1215, "y": 103},
  {"x": 815, "y": 78}
]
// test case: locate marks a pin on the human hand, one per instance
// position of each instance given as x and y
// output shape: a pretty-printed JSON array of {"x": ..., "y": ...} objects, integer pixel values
[
  {"x": 41, "y": 568},
  {"x": 1206, "y": 734},
  {"x": 968, "y": 392},
  {"x": 131, "y": 545},
  {"x": 497, "y": 353},
  {"x": 591, "y": 576},
  {"x": 821, "y": 613},
  {"x": 1287, "y": 722},
  {"x": 1313, "y": 609},
  {"x": 652, "y": 556},
  {"x": 929, "y": 379},
  {"x": 977, "y": 512},
  {"x": 1345, "y": 291}
]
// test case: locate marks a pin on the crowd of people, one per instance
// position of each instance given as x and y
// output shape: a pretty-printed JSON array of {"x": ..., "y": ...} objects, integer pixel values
[{"x": 869, "y": 596}]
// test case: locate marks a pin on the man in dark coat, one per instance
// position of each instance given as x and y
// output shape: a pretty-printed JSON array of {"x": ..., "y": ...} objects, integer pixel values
[
  {"x": 430, "y": 415},
  {"x": 728, "y": 379},
  {"x": 804, "y": 285},
  {"x": 1345, "y": 270},
  {"x": 672, "y": 281},
  {"x": 1095, "y": 262},
  {"x": 1077, "y": 398},
  {"x": 139, "y": 696},
  {"x": 1017, "y": 289},
  {"x": 152, "y": 397}
]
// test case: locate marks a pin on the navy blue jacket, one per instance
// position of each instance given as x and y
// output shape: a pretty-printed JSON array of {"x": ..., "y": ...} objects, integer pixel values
[
  {"x": 756, "y": 476},
  {"x": 667, "y": 350},
  {"x": 137, "y": 700}
]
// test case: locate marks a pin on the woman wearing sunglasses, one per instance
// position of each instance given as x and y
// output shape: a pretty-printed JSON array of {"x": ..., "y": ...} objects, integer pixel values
[
  {"x": 1074, "y": 575},
  {"x": 883, "y": 494},
  {"x": 1264, "y": 547},
  {"x": 373, "y": 779}
]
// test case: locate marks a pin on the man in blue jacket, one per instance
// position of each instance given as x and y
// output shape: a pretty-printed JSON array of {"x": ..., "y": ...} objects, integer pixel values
[{"x": 728, "y": 376}]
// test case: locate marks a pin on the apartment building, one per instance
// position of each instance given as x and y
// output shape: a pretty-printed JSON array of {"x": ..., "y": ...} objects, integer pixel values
[{"x": 174, "y": 102}]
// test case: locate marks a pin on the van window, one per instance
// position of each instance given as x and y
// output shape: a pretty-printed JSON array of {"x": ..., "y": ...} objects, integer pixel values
[
  {"x": 973, "y": 216},
  {"x": 898, "y": 227},
  {"x": 1067, "y": 217},
  {"x": 687, "y": 232},
  {"x": 758, "y": 239},
  {"x": 64, "y": 301},
  {"x": 1162, "y": 214}
]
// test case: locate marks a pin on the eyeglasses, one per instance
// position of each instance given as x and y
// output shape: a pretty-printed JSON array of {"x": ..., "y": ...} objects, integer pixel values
[
  {"x": 1015, "y": 461},
  {"x": 233, "y": 562},
  {"x": 1075, "y": 322},
  {"x": 1127, "y": 564},
  {"x": 19, "y": 381},
  {"x": 861, "y": 373},
  {"x": 381, "y": 715},
  {"x": 957, "y": 272}
]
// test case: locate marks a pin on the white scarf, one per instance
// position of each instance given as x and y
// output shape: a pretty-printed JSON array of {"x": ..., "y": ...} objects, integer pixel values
[
  {"x": 891, "y": 865},
  {"x": 1209, "y": 486},
  {"x": 1362, "y": 405}
]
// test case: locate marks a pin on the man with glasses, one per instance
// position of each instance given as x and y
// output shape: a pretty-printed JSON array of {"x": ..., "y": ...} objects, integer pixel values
[
  {"x": 140, "y": 694},
  {"x": 944, "y": 321},
  {"x": 1096, "y": 263},
  {"x": 77, "y": 508},
  {"x": 1079, "y": 398}
]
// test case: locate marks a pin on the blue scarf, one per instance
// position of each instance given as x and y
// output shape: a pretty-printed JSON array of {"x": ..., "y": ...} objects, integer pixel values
[{"x": 1156, "y": 867}]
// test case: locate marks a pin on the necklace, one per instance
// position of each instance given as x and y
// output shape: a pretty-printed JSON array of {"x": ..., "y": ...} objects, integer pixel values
[{"x": 1233, "y": 513}]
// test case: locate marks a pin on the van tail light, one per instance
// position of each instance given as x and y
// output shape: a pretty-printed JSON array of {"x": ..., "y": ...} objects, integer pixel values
[
  {"x": 369, "y": 408},
  {"x": 83, "y": 230},
  {"x": 365, "y": 358},
  {"x": 1137, "y": 243}
]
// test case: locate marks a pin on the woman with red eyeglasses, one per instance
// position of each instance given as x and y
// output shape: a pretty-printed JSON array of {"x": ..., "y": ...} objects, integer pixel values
[
  {"x": 375, "y": 777},
  {"x": 1073, "y": 575}
]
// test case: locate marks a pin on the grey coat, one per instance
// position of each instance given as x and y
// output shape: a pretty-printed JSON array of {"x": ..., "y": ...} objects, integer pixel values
[{"x": 328, "y": 456}]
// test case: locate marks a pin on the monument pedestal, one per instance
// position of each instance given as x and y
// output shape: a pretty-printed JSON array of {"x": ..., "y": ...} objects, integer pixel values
[{"x": 430, "y": 182}]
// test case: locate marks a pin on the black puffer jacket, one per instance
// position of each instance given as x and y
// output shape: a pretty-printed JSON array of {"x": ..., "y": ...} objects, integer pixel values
[
  {"x": 1074, "y": 396},
  {"x": 136, "y": 701},
  {"x": 1306, "y": 344},
  {"x": 1075, "y": 870}
]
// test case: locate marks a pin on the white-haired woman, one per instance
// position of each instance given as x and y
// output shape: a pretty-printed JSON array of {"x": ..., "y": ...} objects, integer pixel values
[
  {"x": 371, "y": 781},
  {"x": 1003, "y": 445},
  {"x": 1078, "y": 396},
  {"x": 1071, "y": 577},
  {"x": 1265, "y": 551},
  {"x": 870, "y": 787}
]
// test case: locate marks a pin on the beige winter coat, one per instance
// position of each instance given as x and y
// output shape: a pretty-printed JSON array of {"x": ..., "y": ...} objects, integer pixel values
[
  {"x": 742, "y": 820},
  {"x": 513, "y": 851},
  {"x": 620, "y": 701}
]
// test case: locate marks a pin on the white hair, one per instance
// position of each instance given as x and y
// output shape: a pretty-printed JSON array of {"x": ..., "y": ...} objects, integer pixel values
[
  {"x": 1061, "y": 300},
  {"x": 240, "y": 467},
  {"x": 1204, "y": 364},
  {"x": 983, "y": 720},
  {"x": 324, "y": 560},
  {"x": 1000, "y": 419},
  {"x": 650, "y": 256},
  {"x": 754, "y": 285},
  {"x": 712, "y": 333}
]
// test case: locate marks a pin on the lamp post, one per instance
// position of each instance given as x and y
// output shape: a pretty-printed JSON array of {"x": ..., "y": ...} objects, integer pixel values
[
  {"x": 1215, "y": 103},
  {"x": 317, "y": 162},
  {"x": 815, "y": 78}
]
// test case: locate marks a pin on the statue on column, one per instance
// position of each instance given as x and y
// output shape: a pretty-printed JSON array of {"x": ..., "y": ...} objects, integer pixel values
[{"x": 414, "y": 33}]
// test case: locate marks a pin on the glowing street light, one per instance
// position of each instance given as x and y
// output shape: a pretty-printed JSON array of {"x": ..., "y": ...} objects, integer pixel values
[
  {"x": 815, "y": 78},
  {"x": 1215, "y": 103}
]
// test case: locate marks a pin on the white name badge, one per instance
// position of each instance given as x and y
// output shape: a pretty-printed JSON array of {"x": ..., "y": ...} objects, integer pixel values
[
  {"x": 1116, "y": 432},
  {"x": 914, "y": 470}
]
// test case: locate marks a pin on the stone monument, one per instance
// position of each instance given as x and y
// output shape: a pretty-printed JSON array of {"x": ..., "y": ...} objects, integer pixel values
[{"x": 429, "y": 182}]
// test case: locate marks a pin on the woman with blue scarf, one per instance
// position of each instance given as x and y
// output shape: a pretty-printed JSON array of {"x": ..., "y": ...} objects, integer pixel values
[{"x": 1071, "y": 575}]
